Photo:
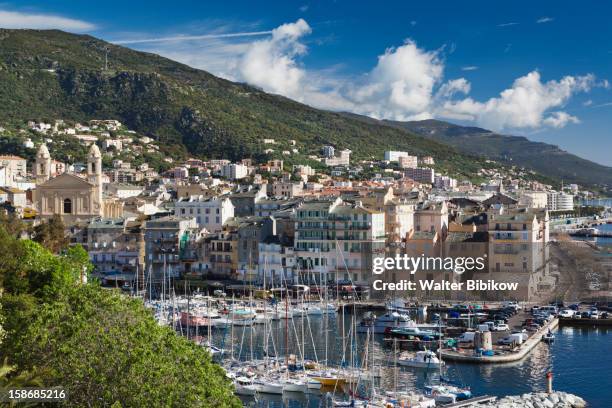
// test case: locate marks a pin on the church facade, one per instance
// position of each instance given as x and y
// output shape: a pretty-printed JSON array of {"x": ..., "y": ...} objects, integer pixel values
[{"x": 75, "y": 199}]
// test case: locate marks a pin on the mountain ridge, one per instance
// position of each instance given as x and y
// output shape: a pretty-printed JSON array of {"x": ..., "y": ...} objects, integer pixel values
[
  {"x": 509, "y": 149},
  {"x": 54, "y": 74}
]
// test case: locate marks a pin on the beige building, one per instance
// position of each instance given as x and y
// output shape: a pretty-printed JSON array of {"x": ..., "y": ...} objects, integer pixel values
[{"x": 74, "y": 198}]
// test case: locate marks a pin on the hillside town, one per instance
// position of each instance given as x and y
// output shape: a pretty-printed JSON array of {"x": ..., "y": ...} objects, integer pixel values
[{"x": 249, "y": 223}]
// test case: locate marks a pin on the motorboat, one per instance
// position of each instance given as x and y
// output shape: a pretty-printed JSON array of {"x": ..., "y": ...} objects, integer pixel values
[
  {"x": 548, "y": 337},
  {"x": 442, "y": 393},
  {"x": 245, "y": 386},
  {"x": 295, "y": 385},
  {"x": 408, "y": 399},
  {"x": 212, "y": 349},
  {"x": 415, "y": 332},
  {"x": 267, "y": 386},
  {"x": 422, "y": 359},
  {"x": 191, "y": 320},
  {"x": 384, "y": 323}
]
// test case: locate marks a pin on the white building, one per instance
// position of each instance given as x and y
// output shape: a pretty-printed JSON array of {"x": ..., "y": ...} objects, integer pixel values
[
  {"x": 210, "y": 213},
  {"x": 285, "y": 189},
  {"x": 303, "y": 170},
  {"x": 276, "y": 263},
  {"x": 533, "y": 199},
  {"x": 123, "y": 190},
  {"x": 558, "y": 201},
  {"x": 16, "y": 166},
  {"x": 342, "y": 160},
  {"x": 116, "y": 143},
  {"x": 393, "y": 156},
  {"x": 234, "y": 171},
  {"x": 408, "y": 162}
]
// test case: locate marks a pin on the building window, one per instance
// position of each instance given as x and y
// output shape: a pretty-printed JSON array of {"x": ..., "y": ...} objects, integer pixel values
[{"x": 67, "y": 206}]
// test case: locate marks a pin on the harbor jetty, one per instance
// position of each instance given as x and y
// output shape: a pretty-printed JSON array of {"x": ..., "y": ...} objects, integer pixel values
[
  {"x": 535, "y": 400},
  {"x": 505, "y": 357}
]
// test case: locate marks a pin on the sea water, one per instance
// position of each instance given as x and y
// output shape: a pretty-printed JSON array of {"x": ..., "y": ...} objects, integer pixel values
[{"x": 580, "y": 360}]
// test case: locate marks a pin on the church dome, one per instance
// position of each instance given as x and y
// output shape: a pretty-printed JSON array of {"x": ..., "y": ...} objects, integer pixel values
[
  {"x": 43, "y": 152},
  {"x": 94, "y": 151}
]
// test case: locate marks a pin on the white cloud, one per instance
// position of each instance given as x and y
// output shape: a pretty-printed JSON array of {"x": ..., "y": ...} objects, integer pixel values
[
  {"x": 544, "y": 20},
  {"x": 180, "y": 38},
  {"x": 271, "y": 63},
  {"x": 453, "y": 87},
  {"x": 406, "y": 83},
  {"x": 401, "y": 85},
  {"x": 526, "y": 105},
  {"x": 560, "y": 119},
  {"x": 469, "y": 68},
  {"x": 507, "y": 24},
  {"x": 15, "y": 19}
]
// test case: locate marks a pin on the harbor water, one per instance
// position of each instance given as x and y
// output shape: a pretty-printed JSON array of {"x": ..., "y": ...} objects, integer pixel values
[{"x": 579, "y": 360}]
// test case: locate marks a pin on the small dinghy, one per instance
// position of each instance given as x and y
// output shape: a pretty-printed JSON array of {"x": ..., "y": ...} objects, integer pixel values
[{"x": 548, "y": 337}]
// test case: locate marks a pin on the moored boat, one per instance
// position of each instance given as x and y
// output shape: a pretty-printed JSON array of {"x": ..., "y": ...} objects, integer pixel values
[{"x": 422, "y": 359}]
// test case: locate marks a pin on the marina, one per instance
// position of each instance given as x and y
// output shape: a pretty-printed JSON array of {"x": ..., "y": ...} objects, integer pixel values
[{"x": 294, "y": 352}]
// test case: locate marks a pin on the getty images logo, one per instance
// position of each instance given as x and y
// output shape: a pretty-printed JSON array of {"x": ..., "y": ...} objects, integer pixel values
[{"x": 411, "y": 264}]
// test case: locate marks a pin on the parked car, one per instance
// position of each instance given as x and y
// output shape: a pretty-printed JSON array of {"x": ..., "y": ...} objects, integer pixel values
[
  {"x": 585, "y": 315},
  {"x": 575, "y": 306},
  {"x": 513, "y": 305},
  {"x": 501, "y": 327},
  {"x": 566, "y": 313},
  {"x": 466, "y": 337}
]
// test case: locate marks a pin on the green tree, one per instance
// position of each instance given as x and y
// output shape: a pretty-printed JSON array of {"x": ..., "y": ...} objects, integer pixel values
[
  {"x": 103, "y": 347},
  {"x": 51, "y": 234}
]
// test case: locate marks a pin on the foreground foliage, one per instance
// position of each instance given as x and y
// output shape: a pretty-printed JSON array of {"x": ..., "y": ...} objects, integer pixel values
[{"x": 102, "y": 347}]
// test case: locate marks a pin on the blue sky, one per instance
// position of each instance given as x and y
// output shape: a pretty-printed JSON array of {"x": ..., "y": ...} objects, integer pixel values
[{"x": 536, "y": 68}]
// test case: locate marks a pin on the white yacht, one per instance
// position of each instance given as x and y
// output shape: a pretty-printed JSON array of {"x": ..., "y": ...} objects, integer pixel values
[
  {"x": 384, "y": 323},
  {"x": 267, "y": 386},
  {"x": 422, "y": 359},
  {"x": 245, "y": 386},
  {"x": 295, "y": 385}
]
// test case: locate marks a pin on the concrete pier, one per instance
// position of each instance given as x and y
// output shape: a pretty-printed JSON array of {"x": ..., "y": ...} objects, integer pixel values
[{"x": 507, "y": 357}]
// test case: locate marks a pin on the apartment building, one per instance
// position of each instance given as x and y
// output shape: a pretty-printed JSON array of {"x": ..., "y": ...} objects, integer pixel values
[
  {"x": 171, "y": 246},
  {"x": 337, "y": 240},
  {"x": 420, "y": 174},
  {"x": 210, "y": 213},
  {"x": 116, "y": 245},
  {"x": 518, "y": 249},
  {"x": 559, "y": 201}
]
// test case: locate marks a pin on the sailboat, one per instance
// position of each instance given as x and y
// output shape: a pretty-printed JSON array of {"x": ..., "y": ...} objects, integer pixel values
[{"x": 445, "y": 393}]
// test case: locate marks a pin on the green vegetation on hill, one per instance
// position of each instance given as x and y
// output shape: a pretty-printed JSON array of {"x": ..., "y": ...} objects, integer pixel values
[
  {"x": 102, "y": 347},
  {"x": 53, "y": 74}
]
